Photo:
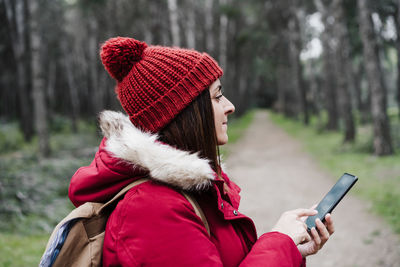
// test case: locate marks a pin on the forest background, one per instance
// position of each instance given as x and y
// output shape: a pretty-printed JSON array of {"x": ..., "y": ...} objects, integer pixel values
[{"x": 330, "y": 65}]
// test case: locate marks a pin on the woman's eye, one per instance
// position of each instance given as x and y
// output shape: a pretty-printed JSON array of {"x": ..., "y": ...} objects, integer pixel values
[{"x": 220, "y": 94}]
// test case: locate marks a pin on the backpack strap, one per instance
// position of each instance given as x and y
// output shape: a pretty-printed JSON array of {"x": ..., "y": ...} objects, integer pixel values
[
  {"x": 122, "y": 192},
  {"x": 197, "y": 209}
]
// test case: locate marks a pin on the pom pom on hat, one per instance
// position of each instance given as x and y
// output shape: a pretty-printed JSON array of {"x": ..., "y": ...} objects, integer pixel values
[{"x": 119, "y": 54}]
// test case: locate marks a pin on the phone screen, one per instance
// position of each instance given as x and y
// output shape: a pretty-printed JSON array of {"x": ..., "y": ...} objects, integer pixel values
[{"x": 329, "y": 202}]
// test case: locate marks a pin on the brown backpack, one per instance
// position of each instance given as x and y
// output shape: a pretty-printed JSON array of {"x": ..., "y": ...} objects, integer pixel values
[{"x": 78, "y": 239}]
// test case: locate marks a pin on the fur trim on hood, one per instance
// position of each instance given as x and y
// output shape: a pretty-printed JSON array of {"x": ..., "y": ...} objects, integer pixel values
[{"x": 140, "y": 149}]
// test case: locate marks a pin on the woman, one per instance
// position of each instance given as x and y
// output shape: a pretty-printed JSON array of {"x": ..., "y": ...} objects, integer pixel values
[{"x": 177, "y": 118}]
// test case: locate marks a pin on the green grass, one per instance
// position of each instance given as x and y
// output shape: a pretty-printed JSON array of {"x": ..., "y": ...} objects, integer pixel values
[
  {"x": 379, "y": 177},
  {"x": 21, "y": 250}
]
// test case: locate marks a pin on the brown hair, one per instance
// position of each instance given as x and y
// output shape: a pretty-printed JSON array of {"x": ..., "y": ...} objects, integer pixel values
[{"x": 193, "y": 130}]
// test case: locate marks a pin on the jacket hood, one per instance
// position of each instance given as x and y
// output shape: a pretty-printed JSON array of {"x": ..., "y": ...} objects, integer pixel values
[{"x": 126, "y": 154}]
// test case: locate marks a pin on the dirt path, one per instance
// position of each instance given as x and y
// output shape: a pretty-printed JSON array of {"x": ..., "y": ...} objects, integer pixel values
[{"x": 277, "y": 175}]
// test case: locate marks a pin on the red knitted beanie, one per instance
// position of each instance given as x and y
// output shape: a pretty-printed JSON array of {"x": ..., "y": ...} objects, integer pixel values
[{"x": 155, "y": 83}]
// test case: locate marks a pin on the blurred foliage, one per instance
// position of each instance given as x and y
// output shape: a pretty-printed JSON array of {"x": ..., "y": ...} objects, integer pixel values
[
  {"x": 33, "y": 191},
  {"x": 269, "y": 63},
  {"x": 10, "y": 137},
  {"x": 379, "y": 177}
]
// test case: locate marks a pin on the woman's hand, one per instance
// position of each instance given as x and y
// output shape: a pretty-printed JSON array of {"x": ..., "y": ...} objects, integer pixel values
[
  {"x": 291, "y": 224},
  {"x": 319, "y": 237}
]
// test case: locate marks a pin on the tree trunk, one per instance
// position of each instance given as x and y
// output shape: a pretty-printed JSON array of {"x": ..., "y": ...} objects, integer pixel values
[
  {"x": 363, "y": 103},
  {"x": 223, "y": 37},
  {"x": 191, "y": 25},
  {"x": 281, "y": 72},
  {"x": 38, "y": 82},
  {"x": 96, "y": 91},
  {"x": 398, "y": 54},
  {"x": 287, "y": 96},
  {"x": 294, "y": 68},
  {"x": 72, "y": 86},
  {"x": 314, "y": 96},
  {"x": 209, "y": 24},
  {"x": 17, "y": 19},
  {"x": 298, "y": 89},
  {"x": 173, "y": 18},
  {"x": 343, "y": 70},
  {"x": 328, "y": 56},
  {"x": 285, "y": 57},
  {"x": 357, "y": 86},
  {"x": 50, "y": 87},
  {"x": 156, "y": 24},
  {"x": 382, "y": 139}
]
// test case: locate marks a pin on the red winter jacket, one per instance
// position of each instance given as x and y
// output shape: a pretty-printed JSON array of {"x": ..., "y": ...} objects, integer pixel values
[{"x": 154, "y": 224}]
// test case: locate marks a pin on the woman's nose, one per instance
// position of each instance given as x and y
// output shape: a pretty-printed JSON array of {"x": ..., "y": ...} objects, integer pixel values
[{"x": 229, "y": 107}]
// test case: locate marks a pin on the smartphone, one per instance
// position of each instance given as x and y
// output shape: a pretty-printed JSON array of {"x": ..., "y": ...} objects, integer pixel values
[{"x": 329, "y": 202}]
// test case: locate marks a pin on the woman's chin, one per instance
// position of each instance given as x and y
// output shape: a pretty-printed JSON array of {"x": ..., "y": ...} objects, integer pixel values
[{"x": 222, "y": 141}]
